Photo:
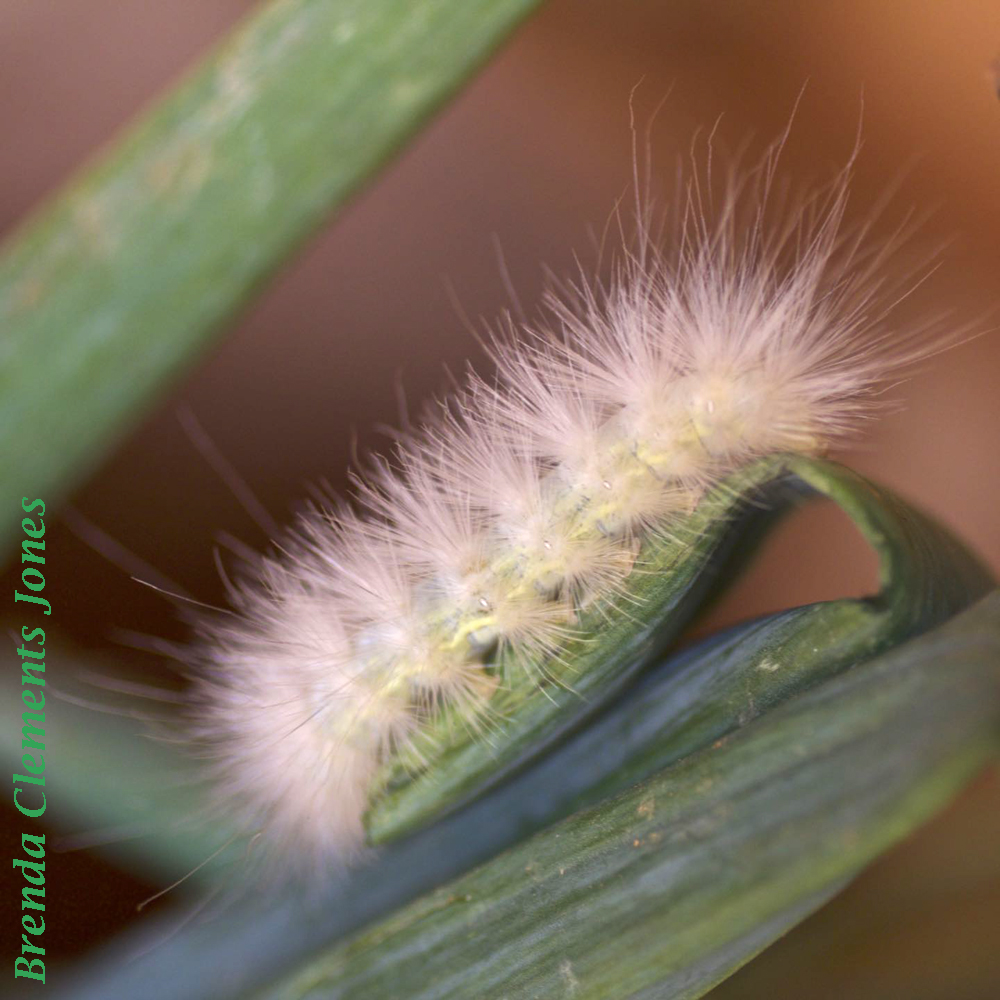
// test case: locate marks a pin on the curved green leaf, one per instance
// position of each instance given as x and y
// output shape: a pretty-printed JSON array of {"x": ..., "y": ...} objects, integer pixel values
[
  {"x": 926, "y": 575},
  {"x": 689, "y": 703}
]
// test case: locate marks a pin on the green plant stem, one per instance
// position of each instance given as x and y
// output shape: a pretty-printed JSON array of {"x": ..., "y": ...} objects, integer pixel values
[{"x": 115, "y": 285}]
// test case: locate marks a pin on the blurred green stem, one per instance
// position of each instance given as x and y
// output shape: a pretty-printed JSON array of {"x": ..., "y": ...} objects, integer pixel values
[{"x": 118, "y": 282}]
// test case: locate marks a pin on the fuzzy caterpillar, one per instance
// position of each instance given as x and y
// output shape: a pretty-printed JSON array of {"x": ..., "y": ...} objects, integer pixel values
[{"x": 766, "y": 327}]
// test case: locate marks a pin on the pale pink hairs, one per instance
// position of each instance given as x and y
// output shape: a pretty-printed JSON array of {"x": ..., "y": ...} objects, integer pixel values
[{"x": 748, "y": 321}]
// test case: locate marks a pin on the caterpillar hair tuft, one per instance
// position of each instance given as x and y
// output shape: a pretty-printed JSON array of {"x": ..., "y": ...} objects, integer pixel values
[{"x": 749, "y": 321}]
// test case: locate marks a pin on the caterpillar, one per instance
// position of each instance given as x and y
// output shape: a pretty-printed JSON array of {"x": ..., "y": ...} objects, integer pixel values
[{"x": 746, "y": 321}]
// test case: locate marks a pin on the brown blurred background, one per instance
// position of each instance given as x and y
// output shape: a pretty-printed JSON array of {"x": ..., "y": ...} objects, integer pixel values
[{"x": 532, "y": 157}]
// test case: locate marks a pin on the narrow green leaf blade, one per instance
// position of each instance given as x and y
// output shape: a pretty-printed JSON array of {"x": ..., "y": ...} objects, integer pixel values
[{"x": 669, "y": 887}]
